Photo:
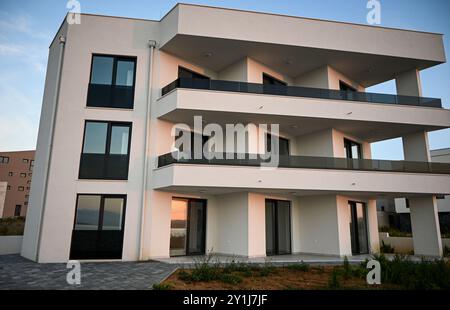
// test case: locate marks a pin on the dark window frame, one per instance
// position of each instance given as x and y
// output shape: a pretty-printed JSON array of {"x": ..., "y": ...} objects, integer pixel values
[
  {"x": 107, "y": 150},
  {"x": 276, "y": 228},
  {"x": 346, "y": 87},
  {"x": 116, "y": 59},
  {"x": 288, "y": 143},
  {"x": 348, "y": 148},
  {"x": 270, "y": 77},
  {"x": 354, "y": 221},
  {"x": 21, "y": 188},
  {"x": 195, "y": 74},
  {"x": 17, "y": 207}
]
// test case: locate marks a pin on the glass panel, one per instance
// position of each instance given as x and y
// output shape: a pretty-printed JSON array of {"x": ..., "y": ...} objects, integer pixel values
[
  {"x": 88, "y": 209},
  {"x": 113, "y": 214},
  {"x": 362, "y": 228},
  {"x": 270, "y": 232},
  {"x": 178, "y": 227},
  {"x": 125, "y": 73},
  {"x": 355, "y": 151},
  {"x": 284, "y": 227},
  {"x": 196, "y": 227},
  {"x": 119, "y": 140},
  {"x": 102, "y": 70},
  {"x": 95, "y": 138}
]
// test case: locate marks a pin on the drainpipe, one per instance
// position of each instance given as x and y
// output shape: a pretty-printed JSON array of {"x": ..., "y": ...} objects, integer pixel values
[
  {"x": 152, "y": 45},
  {"x": 49, "y": 147}
]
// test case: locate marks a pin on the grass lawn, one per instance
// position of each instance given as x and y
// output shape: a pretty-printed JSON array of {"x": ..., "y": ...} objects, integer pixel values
[
  {"x": 12, "y": 226},
  {"x": 399, "y": 273}
]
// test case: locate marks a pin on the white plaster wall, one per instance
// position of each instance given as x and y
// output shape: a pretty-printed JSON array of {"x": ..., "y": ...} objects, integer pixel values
[
  {"x": 318, "y": 143},
  {"x": 318, "y": 223},
  {"x": 232, "y": 230},
  {"x": 256, "y": 225},
  {"x": 317, "y": 78},
  {"x": 256, "y": 70},
  {"x": 235, "y": 72},
  {"x": 10, "y": 244},
  {"x": 338, "y": 145}
]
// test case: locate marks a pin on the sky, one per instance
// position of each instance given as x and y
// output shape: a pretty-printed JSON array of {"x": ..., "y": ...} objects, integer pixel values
[{"x": 27, "y": 28}]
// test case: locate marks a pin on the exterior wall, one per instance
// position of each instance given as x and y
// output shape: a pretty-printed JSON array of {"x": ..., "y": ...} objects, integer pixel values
[
  {"x": 404, "y": 245},
  {"x": 315, "y": 144},
  {"x": 325, "y": 77},
  {"x": 33, "y": 223},
  {"x": 10, "y": 244},
  {"x": 3, "y": 187},
  {"x": 17, "y": 167}
]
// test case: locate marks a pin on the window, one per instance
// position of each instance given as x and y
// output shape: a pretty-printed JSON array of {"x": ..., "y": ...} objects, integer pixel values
[
  {"x": 407, "y": 203},
  {"x": 32, "y": 163},
  {"x": 4, "y": 160},
  {"x": 98, "y": 226},
  {"x": 25, "y": 203},
  {"x": 345, "y": 87},
  {"x": 105, "y": 153},
  {"x": 283, "y": 145},
  {"x": 17, "y": 210},
  {"x": 440, "y": 196},
  {"x": 28, "y": 188},
  {"x": 270, "y": 80},
  {"x": 352, "y": 149},
  {"x": 29, "y": 182},
  {"x": 8, "y": 187},
  {"x": 186, "y": 73},
  {"x": 10, "y": 173},
  {"x": 21, "y": 188},
  {"x": 23, "y": 175},
  {"x": 25, "y": 161},
  {"x": 112, "y": 82},
  {"x": 30, "y": 174}
]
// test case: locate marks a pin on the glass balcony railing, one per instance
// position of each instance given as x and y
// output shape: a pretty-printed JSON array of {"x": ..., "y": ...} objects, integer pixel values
[
  {"x": 311, "y": 162},
  {"x": 297, "y": 91}
]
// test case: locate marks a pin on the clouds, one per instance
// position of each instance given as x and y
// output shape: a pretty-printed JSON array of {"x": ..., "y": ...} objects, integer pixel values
[{"x": 23, "y": 58}]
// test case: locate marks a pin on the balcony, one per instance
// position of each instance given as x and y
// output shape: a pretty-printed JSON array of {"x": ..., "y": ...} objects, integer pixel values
[
  {"x": 110, "y": 96},
  {"x": 296, "y": 91},
  {"x": 302, "y": 175},
  {"x": 310, "y": 162}
]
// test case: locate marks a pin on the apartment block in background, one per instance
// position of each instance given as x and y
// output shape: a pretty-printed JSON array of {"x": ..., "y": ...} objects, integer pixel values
[
  {"x": 16, "y": 169},
  {"x": 109, "y": 183}
]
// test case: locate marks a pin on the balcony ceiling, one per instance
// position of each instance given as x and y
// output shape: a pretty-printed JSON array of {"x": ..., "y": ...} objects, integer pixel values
[{"x": 366, "y": 69}]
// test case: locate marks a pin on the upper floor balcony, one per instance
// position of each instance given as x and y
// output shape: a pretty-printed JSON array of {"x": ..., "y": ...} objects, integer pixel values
[
  {"x": 302, "y": 174},
  {"x": 297, "y": 91},
  {"x": 300, "y": 110}
]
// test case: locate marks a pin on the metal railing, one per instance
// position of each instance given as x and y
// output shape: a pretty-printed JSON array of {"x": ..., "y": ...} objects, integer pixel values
[
  {"x": 311, "y": 162},
  {"x": 297, "y": 91}
]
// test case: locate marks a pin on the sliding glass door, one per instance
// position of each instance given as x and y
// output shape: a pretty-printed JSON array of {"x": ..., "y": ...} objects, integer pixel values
[
  {"x": 188, "y": 227},
  {"x": 358, "y": 228},
  {"x": 278, "y": 227}
]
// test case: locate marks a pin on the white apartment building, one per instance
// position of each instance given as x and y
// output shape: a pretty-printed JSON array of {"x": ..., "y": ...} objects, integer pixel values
[{"x": 106, "y": 186}]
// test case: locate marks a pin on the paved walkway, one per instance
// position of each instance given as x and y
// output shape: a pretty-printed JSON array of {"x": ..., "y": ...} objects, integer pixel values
[{"x": 17, "y": 272}]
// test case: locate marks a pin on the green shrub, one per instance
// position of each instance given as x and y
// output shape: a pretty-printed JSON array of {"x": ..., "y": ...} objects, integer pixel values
[
  {"x": 230, "y": 278},
  {"x": 162, "y": 286},
  {"x": 333, "y": 282},
  {"x": 300, "y": 267},
  {"x": 446, "y": 251},
  {"x": 12, "y": 226},
  {"x": 386, "y": 248},
  {"x": 414, "y": 275}
]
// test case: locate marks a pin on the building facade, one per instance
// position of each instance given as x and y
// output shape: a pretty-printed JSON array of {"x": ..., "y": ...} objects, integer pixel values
[
  {"x": 16, "y": 169},
  {"x": 111, "y": 182}
]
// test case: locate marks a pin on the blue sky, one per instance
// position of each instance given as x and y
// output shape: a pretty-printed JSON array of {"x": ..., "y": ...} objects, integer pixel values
[{"x": 27, "y": 27}]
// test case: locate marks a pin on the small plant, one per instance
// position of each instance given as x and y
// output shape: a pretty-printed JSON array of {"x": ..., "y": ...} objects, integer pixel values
[
  {"x": 347, "y": 268},
  {"x": 230, "y": 278},
  {"x": 300, "y": 267},
  {"x": 386, "y": 248},
  {"x": 333, "y": 282},
  {"x": 162, "y": 286}
]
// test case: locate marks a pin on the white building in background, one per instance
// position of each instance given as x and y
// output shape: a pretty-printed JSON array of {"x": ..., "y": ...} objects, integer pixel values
[
  {"x": 106, "y": 186},
  {"x": 442, "y": 201}
]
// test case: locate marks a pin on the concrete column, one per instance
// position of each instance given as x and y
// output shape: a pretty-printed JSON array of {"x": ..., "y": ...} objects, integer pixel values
[
  {"x": 425, "y": 226},
  {"x": 256, "y": 225},
  {"x": 415, "y": 147},
  {"x": 372, "y": 226},
  {"x": 408, "y": 84}
]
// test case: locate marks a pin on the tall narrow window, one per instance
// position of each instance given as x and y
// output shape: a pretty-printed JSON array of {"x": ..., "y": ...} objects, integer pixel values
[
  {"x": 105, "y": 152},
  {"x": 112, "y": 82},
  {"x": 283, "y": 145},
  {"x": 17, "y": 210},
  {"x": 98, "y": 227}
]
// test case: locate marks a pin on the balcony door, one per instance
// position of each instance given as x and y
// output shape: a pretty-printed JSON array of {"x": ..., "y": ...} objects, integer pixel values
[
  {"x": 278, "y": 227},
  {"x": 188, "y": 227},
  {"x": 358, "y": 228}
]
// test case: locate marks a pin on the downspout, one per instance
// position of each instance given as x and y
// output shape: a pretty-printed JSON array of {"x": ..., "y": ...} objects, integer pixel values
[
  {"x": 152, "y": 45},
  {"x": 47, "y": 163}
]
